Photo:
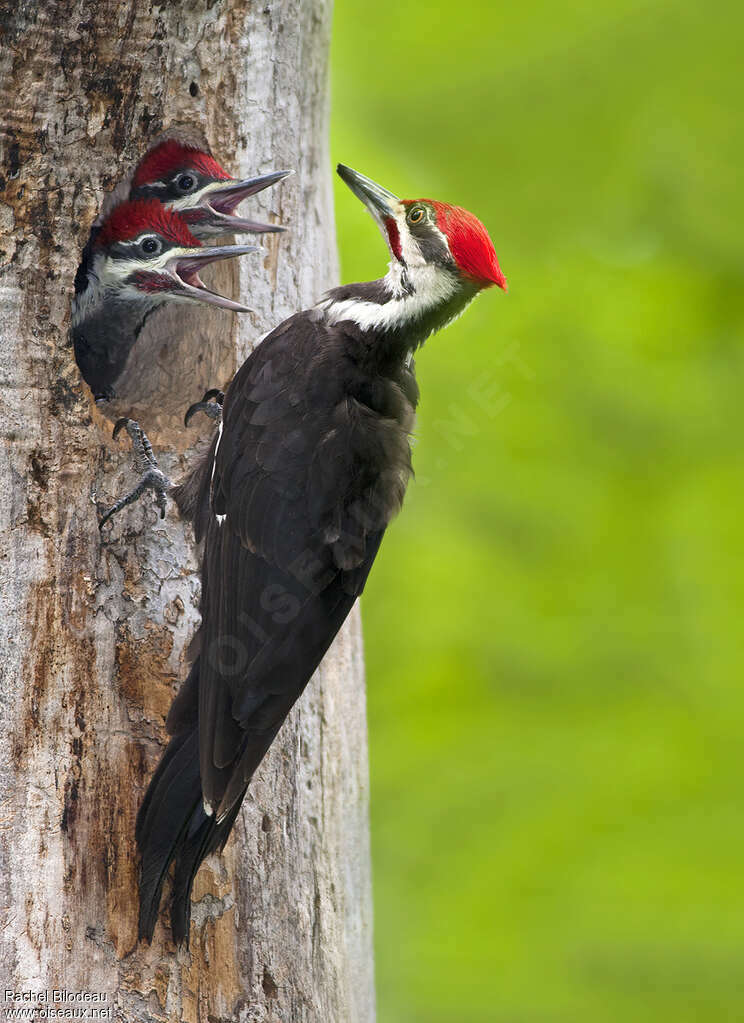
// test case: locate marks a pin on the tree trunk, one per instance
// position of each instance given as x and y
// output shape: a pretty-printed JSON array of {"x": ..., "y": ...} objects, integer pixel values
[{"x": 93, "y": 631}]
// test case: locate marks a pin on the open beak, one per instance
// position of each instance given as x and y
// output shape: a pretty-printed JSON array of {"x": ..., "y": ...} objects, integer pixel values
[
  {"x": 218, "y": 202},
  {"x": 380, "y": 203},
  {"x": 185, "y": 267}
]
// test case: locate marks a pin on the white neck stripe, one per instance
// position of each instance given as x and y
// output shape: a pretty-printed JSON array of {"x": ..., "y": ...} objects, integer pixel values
[{"x": 433, "y": 286}]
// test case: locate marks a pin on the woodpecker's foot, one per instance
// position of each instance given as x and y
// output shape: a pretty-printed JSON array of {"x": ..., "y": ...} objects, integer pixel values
[
  {"x": 211, "y": 403},
  {"x": 151, "y": 475}
]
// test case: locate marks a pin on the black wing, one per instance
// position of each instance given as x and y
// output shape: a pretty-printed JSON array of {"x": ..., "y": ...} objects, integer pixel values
[
  {"x": 292, "y": 502},
  {"x": 307, "y": 478}
]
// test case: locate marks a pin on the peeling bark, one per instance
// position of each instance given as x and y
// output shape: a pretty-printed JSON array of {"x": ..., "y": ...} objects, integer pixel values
[{"x": 93, "y": 634}]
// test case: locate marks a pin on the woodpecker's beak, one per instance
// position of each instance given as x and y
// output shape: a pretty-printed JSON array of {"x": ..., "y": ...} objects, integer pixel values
[
  {"x": 184, "y": 268},
  {"x": 380, "y": 203},
  {"x": 219, "y": 199}
]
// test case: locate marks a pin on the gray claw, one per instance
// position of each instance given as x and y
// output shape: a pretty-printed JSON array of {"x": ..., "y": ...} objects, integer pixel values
[
  {"x": 211, "y": 404},
  {"x": 145, "y": 462}
]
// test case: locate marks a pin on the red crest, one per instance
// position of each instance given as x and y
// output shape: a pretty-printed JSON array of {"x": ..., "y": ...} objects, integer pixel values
[
  {"x": 469, "y": 243},
  {"x": 167, "y": 157},
  {"x": 130, "y": 219}
]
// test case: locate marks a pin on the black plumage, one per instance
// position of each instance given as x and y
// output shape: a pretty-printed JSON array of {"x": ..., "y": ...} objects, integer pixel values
[
  {"x": 310, "y": 467},
  {"x": 292, "y": 502}
]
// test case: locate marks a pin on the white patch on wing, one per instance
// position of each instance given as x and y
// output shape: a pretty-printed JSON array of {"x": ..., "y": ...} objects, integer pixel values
[
  {"x": 220, "y": 518},
  {"x": 216, "y": 449}
]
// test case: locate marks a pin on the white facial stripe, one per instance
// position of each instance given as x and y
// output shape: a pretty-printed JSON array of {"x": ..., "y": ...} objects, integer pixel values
[
  {"x": 193, "y": 199},
  {"x": 104, "y": 277},
  {"x": 118, "y": 269},
  {"x": 132, "y": 243},
  {"x": 108, "y": 274},
  {"x": 410, "y": 249}
]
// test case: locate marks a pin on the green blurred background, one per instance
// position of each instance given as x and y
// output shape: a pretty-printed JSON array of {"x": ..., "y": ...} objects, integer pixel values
[{"x": 553, "y": 629}]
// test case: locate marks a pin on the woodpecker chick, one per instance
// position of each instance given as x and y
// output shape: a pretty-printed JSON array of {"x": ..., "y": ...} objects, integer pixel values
[
  {"x": 309, "y": 466},
  {"x": 139, "y": 257},
  {"x": 192, "y": 183}
]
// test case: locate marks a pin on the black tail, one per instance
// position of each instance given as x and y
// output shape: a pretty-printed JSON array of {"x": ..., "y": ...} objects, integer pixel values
[
  {"x": 172, "y": 825},
  {"x": 203, "y": 837}
]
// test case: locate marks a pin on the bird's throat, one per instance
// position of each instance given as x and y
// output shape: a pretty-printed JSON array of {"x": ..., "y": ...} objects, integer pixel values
[{"x": 397, "y": 313}]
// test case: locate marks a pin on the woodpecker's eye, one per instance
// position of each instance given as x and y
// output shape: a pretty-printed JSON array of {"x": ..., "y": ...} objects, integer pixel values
[
  {"x": 416, "y": 214},
  {"x": 151, "y": 246},
  {"x": 185, "y": 183}
]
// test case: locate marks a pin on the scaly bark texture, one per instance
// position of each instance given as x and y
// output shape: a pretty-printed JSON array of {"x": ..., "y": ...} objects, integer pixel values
[{"x": 93, "y": 633}]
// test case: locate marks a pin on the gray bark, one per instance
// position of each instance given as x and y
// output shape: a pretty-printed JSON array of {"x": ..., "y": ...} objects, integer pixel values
[{"x": 93, "y": 634}]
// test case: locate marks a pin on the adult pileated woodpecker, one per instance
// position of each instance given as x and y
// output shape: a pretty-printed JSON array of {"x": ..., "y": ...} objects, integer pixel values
[
  {"x": 139, "y": 257},
  {"x": 308, "y": 467},
  {"x": 191, "y": 182}
]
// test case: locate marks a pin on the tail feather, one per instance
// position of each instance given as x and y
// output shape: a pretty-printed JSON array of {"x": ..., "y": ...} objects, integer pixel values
[
  {"x": 205, "y": 835},
  {"x": 172, "y": 801},
  {"x": 173, "y": 826},
  {"x": 191, "y": 852},
  {"x": 166, "y": 774}
]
